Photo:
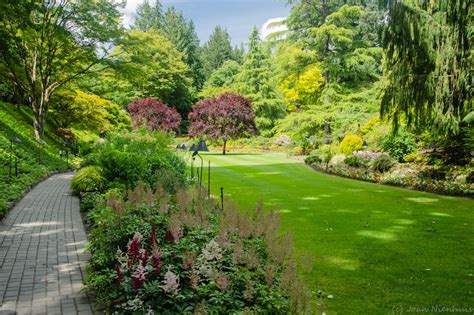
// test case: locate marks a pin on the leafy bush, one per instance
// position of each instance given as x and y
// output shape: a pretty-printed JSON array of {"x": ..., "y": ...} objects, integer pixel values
[
  {"x": 312, "y": 159},
  {"x": 181, "y": 254},
  {"x": 350, "y": 143},
  {"x": 90, "y": 200},
  {"x": 3, "y": 208},
  {"x": 383, "y": 163},
  {"x": 296, "y": 151},
  {"x": 88, "y": 179},
  {"x": 130, "y": 157},
  {"x": 355, "y": 161},
  {"x": 399, "y": 144}
]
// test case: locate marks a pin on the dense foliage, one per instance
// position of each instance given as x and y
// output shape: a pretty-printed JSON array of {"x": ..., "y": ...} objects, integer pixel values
[
  {"x": 180, "y": 254},
  {"x": 126, "y": 158},
  {"x": 154, "y": 115},
  {"x": 33, "y": 160},
  {"x": 224, "y": 117},
  {"x": 69, "y": 39}
]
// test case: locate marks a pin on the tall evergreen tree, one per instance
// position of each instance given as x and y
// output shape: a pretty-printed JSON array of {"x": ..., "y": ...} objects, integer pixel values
[
  {"x": 183, "y": 35},
  {"x": 148, "y": 17},
  {"x": 429, "y": 64},
  {"x": 256, "y": 82},
  {"x": 216, "y": 51}
]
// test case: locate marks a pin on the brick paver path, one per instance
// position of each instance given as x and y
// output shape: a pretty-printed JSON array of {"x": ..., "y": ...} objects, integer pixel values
[{"x": 42, "y": 254}]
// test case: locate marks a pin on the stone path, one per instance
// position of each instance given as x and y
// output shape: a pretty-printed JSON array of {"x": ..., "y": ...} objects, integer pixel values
[{"x": 42, "y": 253}]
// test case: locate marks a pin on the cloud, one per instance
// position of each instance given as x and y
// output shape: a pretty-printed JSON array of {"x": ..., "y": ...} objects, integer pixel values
[{"x": 267, "y": 29}]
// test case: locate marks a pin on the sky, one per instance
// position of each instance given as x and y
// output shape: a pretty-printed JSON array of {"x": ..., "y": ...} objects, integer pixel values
[{"x": 237, "y": 16}]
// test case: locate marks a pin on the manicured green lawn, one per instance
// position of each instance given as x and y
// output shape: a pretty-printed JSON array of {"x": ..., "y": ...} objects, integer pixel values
[{"x": 373, "y": 247}]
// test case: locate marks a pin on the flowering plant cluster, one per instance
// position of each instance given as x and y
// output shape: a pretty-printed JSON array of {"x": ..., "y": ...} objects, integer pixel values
[
  {"x": 367, "y": 155},
  {"x": 182, "y": 254},
  {"x": 404, "y": 175},
  {"x": 283, "y": 140}
]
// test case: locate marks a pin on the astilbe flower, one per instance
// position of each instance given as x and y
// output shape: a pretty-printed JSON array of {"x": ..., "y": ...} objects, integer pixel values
[
  {"x": 222, "y": 282},
  {"x": 156, "y": 261},
  {"x": 170, "y": 283},
  {"x": 139, "y": 276},
  {"x": 133, "y": 250},
  {"x": 212, "y": 251}
]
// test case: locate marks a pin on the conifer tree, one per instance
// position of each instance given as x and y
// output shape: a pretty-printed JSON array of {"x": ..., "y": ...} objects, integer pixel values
[
  {"x": 216, "y": 51},
  {"x": 429, "y": 64},
  {"x": 148, "y": 17},
  {"x": 256, "y": 82}
]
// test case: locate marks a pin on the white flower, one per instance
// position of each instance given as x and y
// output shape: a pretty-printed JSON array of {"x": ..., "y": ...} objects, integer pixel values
[{"x": 171, "y": 282}]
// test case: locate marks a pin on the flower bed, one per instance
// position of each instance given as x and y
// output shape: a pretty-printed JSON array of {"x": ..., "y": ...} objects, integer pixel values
[
  {"x": 153, "y": 252},
  {"x": 409, "y": 175}
]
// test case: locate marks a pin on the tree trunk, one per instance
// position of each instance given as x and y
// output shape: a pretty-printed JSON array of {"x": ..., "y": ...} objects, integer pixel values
[
  {"x": 223, "y": 149},
  {"x": 39, "y": 106}
]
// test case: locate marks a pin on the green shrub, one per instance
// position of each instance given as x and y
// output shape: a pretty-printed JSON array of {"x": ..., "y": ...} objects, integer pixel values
[
  {"x": 90, "y": 200},
  {"x": 355, "y": 161},
  {"x": 3, "y": 208},
  {"x": 88, "y": 179},
  {"x": 399, "y": 144},
  {"x": 350, "y": 143},
  {"x": 383, "y": 163},
  {"x": 312, "y": 159}
]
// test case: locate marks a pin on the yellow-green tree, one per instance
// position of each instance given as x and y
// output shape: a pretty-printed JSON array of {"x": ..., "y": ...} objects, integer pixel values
[{"x": 302, "y": 89}]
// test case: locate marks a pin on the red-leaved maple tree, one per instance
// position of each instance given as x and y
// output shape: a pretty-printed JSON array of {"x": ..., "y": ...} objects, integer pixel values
[
  {"x": 153, "y": 114},
  {"x": 224, "y": 117}
]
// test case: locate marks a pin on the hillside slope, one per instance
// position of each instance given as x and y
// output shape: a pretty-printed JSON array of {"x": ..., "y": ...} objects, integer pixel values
[{"x": 34, "y": 161}]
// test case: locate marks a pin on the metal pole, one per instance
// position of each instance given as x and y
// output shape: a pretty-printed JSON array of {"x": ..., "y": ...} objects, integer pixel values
[
  {"x": 192, "y": 167},
  {"x": 222, "y": 198},
  {"x": 200, "y": 177},
  {"x": 209, "y": 180}
]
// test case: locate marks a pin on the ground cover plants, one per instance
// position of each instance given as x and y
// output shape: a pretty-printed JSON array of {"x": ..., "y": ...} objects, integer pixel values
[{"x": 34, "y": 160}]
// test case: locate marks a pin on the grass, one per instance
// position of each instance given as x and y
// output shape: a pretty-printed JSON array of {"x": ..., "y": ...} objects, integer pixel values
[
  {"x": 375, "y": 248},
  {"x": 34, "y": 160}
]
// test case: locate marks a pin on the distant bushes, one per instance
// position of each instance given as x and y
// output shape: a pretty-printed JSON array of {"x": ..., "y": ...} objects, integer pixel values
[
  {"x": 382, "y": 164},
  {"x": 399, "y": 144},
  {"x": 350, "y": 143}
]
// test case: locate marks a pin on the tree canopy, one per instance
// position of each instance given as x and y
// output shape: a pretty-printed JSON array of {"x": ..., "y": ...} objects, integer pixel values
[{"x": 46, "y": 44}]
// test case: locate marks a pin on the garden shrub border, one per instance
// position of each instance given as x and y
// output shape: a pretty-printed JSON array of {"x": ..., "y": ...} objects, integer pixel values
[{"x": 329, "y": 171}]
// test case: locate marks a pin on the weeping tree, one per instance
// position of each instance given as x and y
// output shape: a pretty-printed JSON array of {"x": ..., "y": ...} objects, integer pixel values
[
  {"x": 45, "y": 44},
  {"x": 428, "y": 64}
]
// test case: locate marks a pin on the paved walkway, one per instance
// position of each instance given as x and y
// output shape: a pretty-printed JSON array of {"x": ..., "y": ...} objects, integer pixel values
[{"x": 42, "y": 254}]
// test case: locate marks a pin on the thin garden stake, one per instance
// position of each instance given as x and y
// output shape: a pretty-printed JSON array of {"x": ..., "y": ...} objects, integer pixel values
[
  {"x": 209, "y": 180},
  {"x": 222, "y": 198}
]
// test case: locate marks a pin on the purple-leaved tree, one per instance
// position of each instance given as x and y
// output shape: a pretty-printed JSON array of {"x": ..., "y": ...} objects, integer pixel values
[
  {"x": 224, "y": 117},
  {"x": 153, "y": 114}
]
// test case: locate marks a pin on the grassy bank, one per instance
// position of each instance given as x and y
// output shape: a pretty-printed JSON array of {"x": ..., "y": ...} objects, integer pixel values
[{"x": 34, "y": 160}]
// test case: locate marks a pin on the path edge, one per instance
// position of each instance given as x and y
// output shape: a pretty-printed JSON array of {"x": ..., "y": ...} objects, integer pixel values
[{"x": 12, "y": 204}]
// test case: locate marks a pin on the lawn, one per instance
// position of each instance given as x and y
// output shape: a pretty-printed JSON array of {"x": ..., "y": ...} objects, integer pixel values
[{"x": 374, "y": 248}]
